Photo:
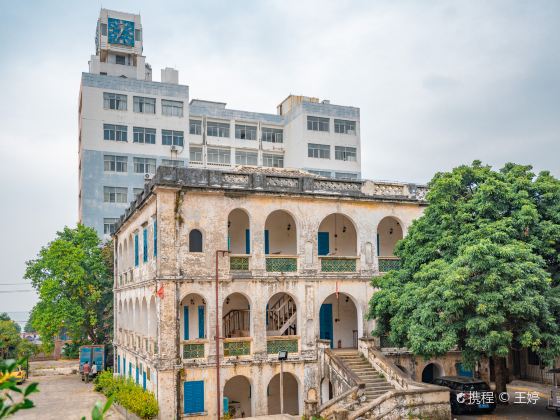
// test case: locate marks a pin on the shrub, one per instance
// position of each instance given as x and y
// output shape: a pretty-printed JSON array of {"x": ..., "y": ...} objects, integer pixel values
[{"x": 128, "y": 394}]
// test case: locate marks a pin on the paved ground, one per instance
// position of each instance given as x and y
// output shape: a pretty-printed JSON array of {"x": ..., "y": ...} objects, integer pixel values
[{"x": 63, "y": 397}]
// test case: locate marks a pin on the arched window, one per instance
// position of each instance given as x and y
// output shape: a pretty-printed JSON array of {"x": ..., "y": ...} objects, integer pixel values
[{"x": 195, "y": 241}]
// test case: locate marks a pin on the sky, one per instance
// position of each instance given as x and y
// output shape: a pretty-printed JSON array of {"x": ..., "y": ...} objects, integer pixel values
[{"x": 438, "y": 84}]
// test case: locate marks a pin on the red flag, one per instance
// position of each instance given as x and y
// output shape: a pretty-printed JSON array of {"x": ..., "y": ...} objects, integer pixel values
[{"x": 160, "y": 292}]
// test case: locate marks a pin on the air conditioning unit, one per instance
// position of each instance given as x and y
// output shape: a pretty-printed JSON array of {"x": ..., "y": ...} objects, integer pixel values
[{"x": 147, "y": 177}]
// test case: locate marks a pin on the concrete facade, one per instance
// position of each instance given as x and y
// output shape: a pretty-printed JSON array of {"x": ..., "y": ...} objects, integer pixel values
[
  {"x": 130, "y": 124},
  {"x": 270, "y": 298}
]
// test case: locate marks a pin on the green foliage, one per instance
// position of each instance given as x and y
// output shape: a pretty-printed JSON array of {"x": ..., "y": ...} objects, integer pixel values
[
  {"x": 5, "y": 317},
  {"x": 26, "y": 350},
  {"x": 480, "y": 269},
  {"x": 98, "y": 412},
  {"x": 9, "y": 339},
  {"x": 128, "y": 394},
  {"x": 74, "y": 284},
  {"x": 13, "y": 397},
  {"x": 71, "y": 350}
]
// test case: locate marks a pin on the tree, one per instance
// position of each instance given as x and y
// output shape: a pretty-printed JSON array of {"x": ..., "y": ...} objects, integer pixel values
[
  {"x": 74, "y": 284},
  {"x": 479, "y": 270},
  {"x": 5, "y": 317},
  {"x": 9, "y": 339}
]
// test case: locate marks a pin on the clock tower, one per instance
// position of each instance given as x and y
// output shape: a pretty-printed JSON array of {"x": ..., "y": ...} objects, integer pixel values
[{"x": 118, "y": 42}]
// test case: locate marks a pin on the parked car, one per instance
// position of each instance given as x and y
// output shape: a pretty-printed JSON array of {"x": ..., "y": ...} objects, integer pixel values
[{"x": 468, "y": 395}]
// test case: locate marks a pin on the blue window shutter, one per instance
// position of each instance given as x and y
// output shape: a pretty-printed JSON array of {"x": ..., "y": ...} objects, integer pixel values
[
  {"x": 266, "y": 242},
  {"x": 185, "y": 322},
  {"x": 201, "y": 321},
  {"x": 130, "y": 369},
  {"x": 145, "y": 238},
  {"x": 267, "y": 314},
  {"x": 226, "y": 405},
  {"x": 137, "y": 374},
  {"x": 144, "y": 380},
  {"x": 247, "y": 241},
  {"x": 323, "y": 243},
  {"x": 193, "y": 394},
  {"x": 155, "y": 238},
  {"x": 378, "y": 245},
  {"x": 118, "y": 364},
  {"x": 136, "y": 250},
  {"x": 326, "y": 322}
]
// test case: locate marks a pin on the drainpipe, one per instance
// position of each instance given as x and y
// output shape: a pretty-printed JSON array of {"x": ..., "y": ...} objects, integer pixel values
[{"x": 218, "y": 396}]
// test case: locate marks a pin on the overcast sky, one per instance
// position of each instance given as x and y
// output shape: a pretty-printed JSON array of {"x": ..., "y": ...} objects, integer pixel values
[{"x": 438, "y": 84}]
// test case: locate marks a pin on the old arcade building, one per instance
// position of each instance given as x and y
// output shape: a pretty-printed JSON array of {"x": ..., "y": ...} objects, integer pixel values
[{"x": 269, "y": 260}]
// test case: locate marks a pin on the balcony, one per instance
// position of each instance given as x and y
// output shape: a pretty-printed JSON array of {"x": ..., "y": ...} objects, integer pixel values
[
  {"x": 239, "y": 263},
  {"x": 387, "y": 264},
  {"x": 281, "y": 264},
  {"x": 193, "y": 349},
  {"x": 237, "y": 346},
  {"x": 289, "y": 343},
  {"x": 338, "y": 264}
]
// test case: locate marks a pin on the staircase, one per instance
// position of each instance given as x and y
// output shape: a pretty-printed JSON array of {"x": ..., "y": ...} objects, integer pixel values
[
  {"x": 281, "y": 317},
  {"x": 236, "y": 323},
  {"x": 376, "y": 385}
]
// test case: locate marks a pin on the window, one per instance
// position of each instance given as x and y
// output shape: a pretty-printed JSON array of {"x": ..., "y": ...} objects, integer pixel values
[
  {"x": 325, "y": 174},
  {"x": 245, "y": 158},
  {"x": 345, "y": 153},
  {"x": 114, "y": 101},
  {"x": 171, "y": 138},
  {"x": 104, "y": 29},
  {"x": 144, "y": 135},
  {"x": 320, "y": 151},
  {"x": 155, "y": 238},
  {"x": 136, "y": 264},
  {"x": 115, "y": 132},
  {"x": 195, "y": 241},
  {"x": 145, "y": 245},
  {"x": 144, "y": 165},
  {"x": 195, "y": 154},
  {"x": 273, "y": 161},
  {"x": 109, "y": 225},
  {"x": 112, "y": 163},
  {"x": 171, "y": 108},
  {"x": 193, "y": 397},
  {"x": 317, "y": 124},
  {"x": 195, "y": 127},
  {"x": 245, "y": 132},
  {"x": 172, "y": 163},
  {"x": 343, "y": 175},
  {"x": 144, "y": 105},
  {"x": 115, "y": 194},
  {"x": 345, "y": 126},
  {"x": 272, "y": 135},
  {"x": 216, "y": 129},
  {"x": 120, "y": 59},
  {"x": 219, "y": 156},
  {"x": 138, "y": 34}
]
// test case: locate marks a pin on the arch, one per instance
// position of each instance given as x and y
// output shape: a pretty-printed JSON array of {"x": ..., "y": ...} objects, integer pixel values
[
  {"x": 337, "y": 236},
  {"x": 326, "y": 390},
  {"x": 389, "y": 232},
  {"x": 432, "y": 371},
  {"x": 125, "y": 315},
  {"x": 119, "y": 258},
  {"x": 124, "y": 256},
  {"x": 195, "y": 241},
  {"x": 152, "y": 319},
  {"x": 194, "y": 323},
  {"x": 130, "y": 251},
  {"x": 281, "y": 315},
  {"x": 237, "y": 393},
  {"x": 338, "y": 321},
  {"x": 291, "y": 394},
  {"x": 144, "y": 317},
  {"x": 280, "y": 234},
  {"x": 239, "y": 234},
  {"x": 136, "y": 317},
  {"x": 120, "y": 315},
  {"x": 236, "y": 316}
]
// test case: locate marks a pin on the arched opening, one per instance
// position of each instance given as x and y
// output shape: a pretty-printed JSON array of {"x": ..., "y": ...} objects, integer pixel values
[
  {"x": 281, "y": 315},
  {"x": 291, "y": 393},
  {"x": 152, "y": 322},
  {"x": 338, "y": 321},
  {"x": 239, "y": 235},
  {"x": 236, "y": 319},
  {"x": 237, "y": 397},
  {"x": 326, "y": 390},
  {"x": 337, "y": 237},
  {"x": 280, "y": 235},
  {"x": 193, "y": 317},
  {"x": 144, "y": 318},
  {"x": 195, "y": 241},
  {"x": 389, "y": 232},
  {"x": 431, "y": 372}
]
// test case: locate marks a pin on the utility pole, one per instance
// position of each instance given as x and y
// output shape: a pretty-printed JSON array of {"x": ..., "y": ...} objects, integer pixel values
[{"x": 282, "y": 355}]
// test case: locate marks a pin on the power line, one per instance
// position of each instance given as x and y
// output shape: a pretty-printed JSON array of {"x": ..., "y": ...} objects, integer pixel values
[
  {"x": 15, "y": 284},
  {"x": 16, "y": 291}
]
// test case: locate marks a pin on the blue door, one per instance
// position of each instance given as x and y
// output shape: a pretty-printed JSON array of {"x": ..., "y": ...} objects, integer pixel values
[
  {"x": 325, "y": 323},
  {"x": 124, "y": 366},
  {"x": 201, "y": 321},
  {"x": 323, "y": 243},
  {"x": 137, "y": 375},
  {"x": 193, "y": 397},
  {"x": 185, "y": 322},
  {"x": 247, "y": 241},
  {"x": 144, "y": 380},
  {"x": 266, "y": 242}
]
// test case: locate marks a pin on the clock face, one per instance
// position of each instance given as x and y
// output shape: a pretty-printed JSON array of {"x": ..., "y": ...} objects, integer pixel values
[{"x": 121, "y": 32}]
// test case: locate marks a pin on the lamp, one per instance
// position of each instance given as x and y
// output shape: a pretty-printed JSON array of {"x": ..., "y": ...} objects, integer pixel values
[
  {"x": 282, "y": 355},
  {"x": 192, "y": 301}
]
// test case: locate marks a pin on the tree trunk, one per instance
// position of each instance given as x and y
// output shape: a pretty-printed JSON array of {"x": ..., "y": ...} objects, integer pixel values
[{"x": 500, "y": 375}]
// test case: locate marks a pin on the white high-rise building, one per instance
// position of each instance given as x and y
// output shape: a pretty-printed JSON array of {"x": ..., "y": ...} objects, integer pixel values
[{"x": 130, "y": 124}]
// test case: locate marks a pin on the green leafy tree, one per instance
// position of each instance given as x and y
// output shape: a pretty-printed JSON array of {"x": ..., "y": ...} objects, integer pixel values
[
  {"x": 74, "y": 284},
  {"x": 479, "y": 270},
  {"x": 12, "y": 397},
  {"x": 9, "y": 339},
  {"x": 5, "y": 317}
]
